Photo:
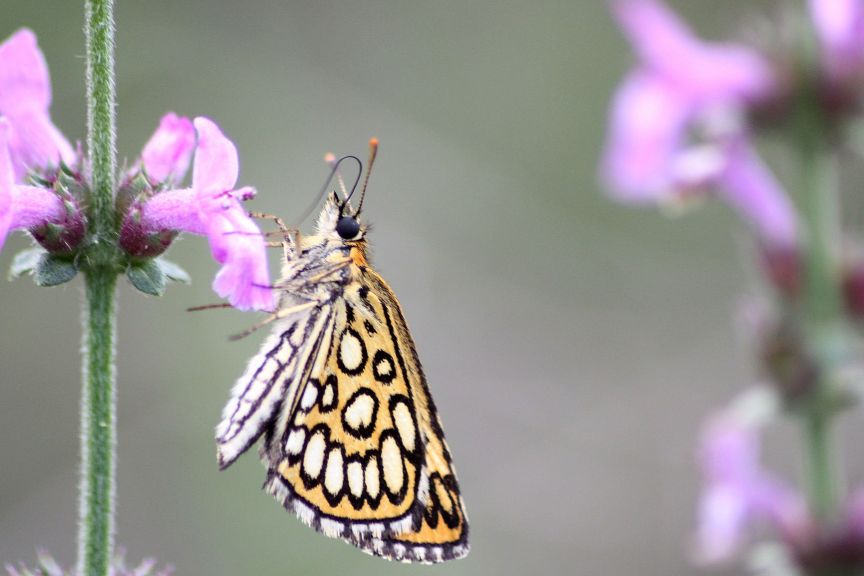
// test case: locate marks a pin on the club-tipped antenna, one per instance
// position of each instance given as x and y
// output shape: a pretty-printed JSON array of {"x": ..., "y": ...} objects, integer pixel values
[
  {"x": 330, "y": 159},
  {"x": 373, "y": 152},
  {"x": 333, "y": 171}
]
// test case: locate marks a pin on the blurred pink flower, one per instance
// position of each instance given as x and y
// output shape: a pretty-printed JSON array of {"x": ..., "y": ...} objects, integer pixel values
[
  {"x": 22, "y": 207},
  {"x": 752, "y": 189},
  {"x": 840, "y": 27},
  {"x": 212, "y": 207},
  {"x": 738, "y": 492},
  {"x": 168, "y": 153},
  {"x": 680, "y": 87},
  {"x": 25, "y": 97}
]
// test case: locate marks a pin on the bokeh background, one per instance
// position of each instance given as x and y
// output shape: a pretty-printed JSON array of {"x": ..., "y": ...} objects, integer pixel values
[{"x": 573, "y": 346}]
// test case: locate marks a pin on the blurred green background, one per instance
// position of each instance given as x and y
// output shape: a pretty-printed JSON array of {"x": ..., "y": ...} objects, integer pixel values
[{"x": 573, "y": 346}]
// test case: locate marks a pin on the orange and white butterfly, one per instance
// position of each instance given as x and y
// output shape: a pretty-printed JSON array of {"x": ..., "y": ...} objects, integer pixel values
[{"x": 351, "y": 439}]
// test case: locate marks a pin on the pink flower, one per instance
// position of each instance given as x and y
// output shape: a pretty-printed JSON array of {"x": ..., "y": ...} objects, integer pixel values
[
  {"x": 738, "y": 492},
  {"x": 840, "y": 27},
  {"x": 167, "y": 154},
  {"x": 212, "y": 207},
  {"x": 747, "y": 185},
  {"x": 23, "y": 207},
  {"x": 25, "y": 97},
  {"x": 681, "y": 87},
  {"x": 151, "y": 217}
]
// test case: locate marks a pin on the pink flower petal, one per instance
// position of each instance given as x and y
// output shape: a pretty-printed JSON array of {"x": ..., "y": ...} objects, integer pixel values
[
  {"x": 729, "y": 457},
  {"x": 35, "y": 206},
  {"x": 709, "y": 72},
  {"x": 37, "y": 143},
  {"x": 646, "y": 129},
  {"x": 24, "y": 81},
  {"x": 173, "y": 210},
  {"x": 723, "y": 516},
  {"x": 25, "y": 96},
  {"x": 7, "y": 185},
  {"x": 216, "y": 165},
  {"x": 235, "y": 240},
  {"x": 169, "y": 151},
  {"x": 213, "y": 207},
  {"x": 840, "y": 26},
  {"x": 738, "y": 491},
  {"x": 22, "y": 206},
  {"x": 752, "y": 189}
]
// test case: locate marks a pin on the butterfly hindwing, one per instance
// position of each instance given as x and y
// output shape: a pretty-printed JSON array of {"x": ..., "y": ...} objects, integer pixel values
[{"x": 272, "y": 377}]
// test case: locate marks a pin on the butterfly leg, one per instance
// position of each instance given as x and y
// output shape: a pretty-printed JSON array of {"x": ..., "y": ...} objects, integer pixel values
[
  {"x": 279, "y": 314},
  {"x": 209, "y": 307},
  {"x": 312, "y": 280},
  {"x": 290, "y": 236},
  {"x": 328, "y": 271}
]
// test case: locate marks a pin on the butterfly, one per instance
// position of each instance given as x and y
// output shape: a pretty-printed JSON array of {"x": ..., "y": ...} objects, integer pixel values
[{"x": 351, "y": 439}]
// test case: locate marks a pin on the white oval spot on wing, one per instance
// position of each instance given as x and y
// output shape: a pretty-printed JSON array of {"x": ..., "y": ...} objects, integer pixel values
[
  {"x": 391, "y": 461},
  {"x": 350, "y": 351},
  {"x": 359, "y": 413},
  {"x": 334, "y": 475},
  {"x": 294, "y": 443},
  {"x": 313, "y": 459},
  {"x": 310, "y": 395},
  {"x": 384, "y": 367},
  {"x": 404, "y": 425},
  {"x": 373, "y": 478},
  {"x": 355, "y": 478},
  {"x": 328, "y": 396}
]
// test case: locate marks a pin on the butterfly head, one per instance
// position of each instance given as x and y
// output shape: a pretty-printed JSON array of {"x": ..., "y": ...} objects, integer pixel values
[{"x": 338, "y": 220}]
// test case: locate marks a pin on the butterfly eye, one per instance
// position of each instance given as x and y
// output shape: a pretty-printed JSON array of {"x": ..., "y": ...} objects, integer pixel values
[{"x": 347, "y": 227}]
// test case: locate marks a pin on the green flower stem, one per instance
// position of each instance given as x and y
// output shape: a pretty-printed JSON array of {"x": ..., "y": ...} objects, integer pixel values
[
  {"x": 822, "y": 311},
  {"x": 101, "y": 131},
  {"x": 99, "y": 264},
  {"x": 96, "y": 536}
]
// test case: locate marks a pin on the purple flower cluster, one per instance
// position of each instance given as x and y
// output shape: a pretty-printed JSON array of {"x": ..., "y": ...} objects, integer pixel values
[
  {"x": 683, "y": 126},
  {"x": 680, "y": 123},
  {"x": 43, "y": 179},
  {"x": 740, "y": 495}
]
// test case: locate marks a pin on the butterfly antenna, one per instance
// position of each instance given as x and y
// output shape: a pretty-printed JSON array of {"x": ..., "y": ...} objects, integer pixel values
[
  {"x": 334, "y": 169},
  {"x": 373, "y": 153},
  {"x": 330, "y": 159}
]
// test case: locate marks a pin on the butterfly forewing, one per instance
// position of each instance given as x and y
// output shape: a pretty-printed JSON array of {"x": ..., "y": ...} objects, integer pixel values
[{"x": 352, "y": 441}]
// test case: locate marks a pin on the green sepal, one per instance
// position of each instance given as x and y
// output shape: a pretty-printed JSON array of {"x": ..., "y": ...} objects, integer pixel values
[
  {"x": 148, "y": 277},
  {"x": 136, "y": 188},
  {"x": 34, "y": 179},
  {"x": 52, "y": 270},
  {"x": 67, "y": 170},
  {"x": 25, "y": 262},
  {"x": 173, "y": 271},
  {"x": 69, "y": 185}
]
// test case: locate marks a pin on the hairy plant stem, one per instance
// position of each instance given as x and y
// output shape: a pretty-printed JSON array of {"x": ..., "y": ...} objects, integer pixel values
[
  {"x": 99, "y": 264},
  {"x": 96, "y": 529},
  {"x": 822, "y": 312}
]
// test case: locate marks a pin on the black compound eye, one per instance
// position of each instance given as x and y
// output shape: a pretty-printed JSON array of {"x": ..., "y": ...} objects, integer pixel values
[{"x": 347, "y": 227}]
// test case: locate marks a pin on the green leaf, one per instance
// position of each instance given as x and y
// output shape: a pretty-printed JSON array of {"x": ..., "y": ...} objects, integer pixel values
[
  {"x": 53, "y": 270},
  {"x": 25, "y": 262},
  {"x": 173, "y": 271},
  {"x": 147, "y": 277}
]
